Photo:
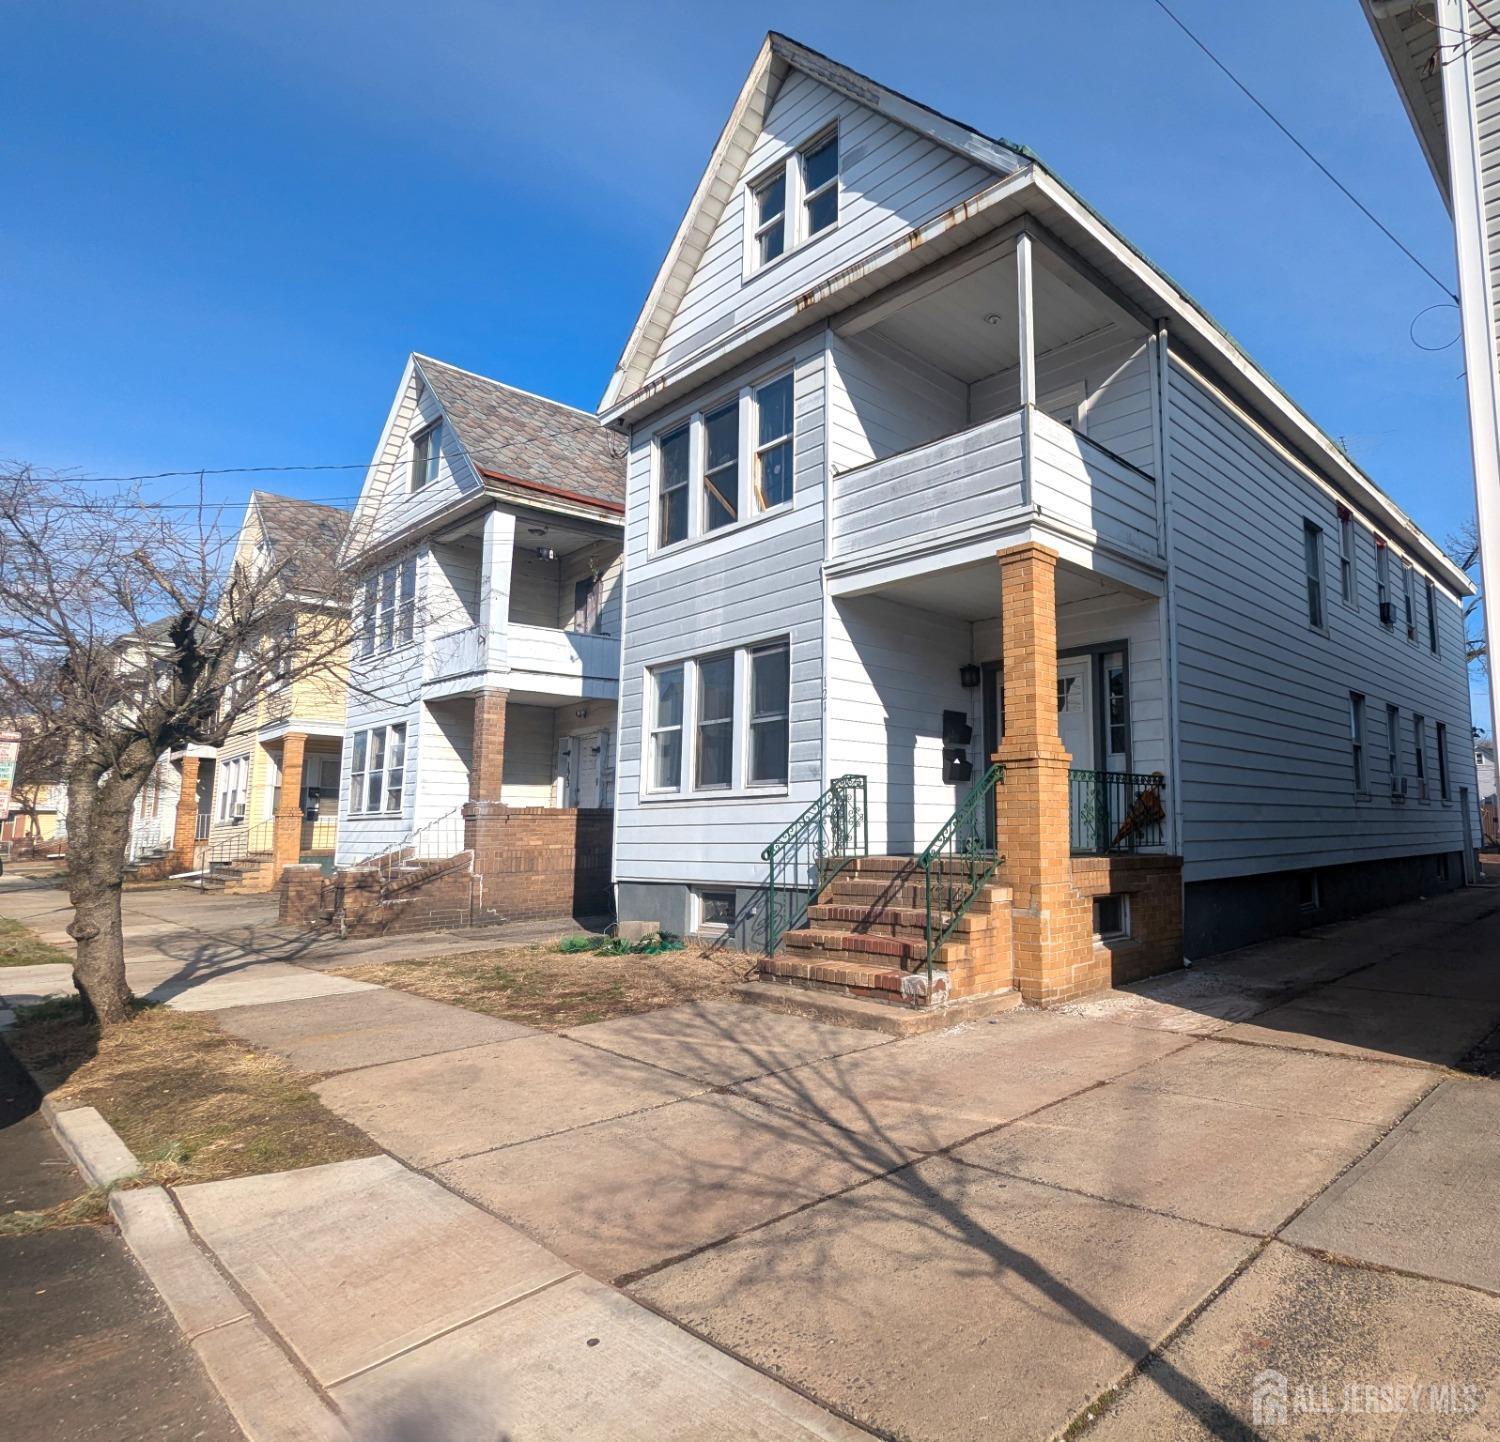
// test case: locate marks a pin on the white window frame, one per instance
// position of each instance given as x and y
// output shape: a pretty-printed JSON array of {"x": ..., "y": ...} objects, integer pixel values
[
  {"x": 426, "y": 454},
  {"x": 1316, "y": 569},
  {"x": 650, "y": 785},
  {"x": 1393, "y": 750},
  {"x": 231, "y": 787},
  {"x": 747, "y": 461},
  {"x": 388, "y": 605},
  {"x": 796, "y": 232},
  {"x": 751, "y": 720},
  {"x": 701, "y": 927},
  {"x": 1419, "y": 755},
  {"x": 1409, "y": 601},
  {"x": 1433, "y": 639},
  {"x": 1357, "y": 752},
  {"x": 688, "y": 787},
  {"x": 1445, "y": 781},
  {"x": 1383, "y": 584},
  {"x": 1348, "y": 562},
  {"x": 700, "y": 722},
  {"x": 392, "y": 735}
]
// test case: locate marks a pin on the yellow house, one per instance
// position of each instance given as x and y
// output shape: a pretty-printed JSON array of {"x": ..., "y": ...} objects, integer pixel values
[{"x": 269, "y": 796}]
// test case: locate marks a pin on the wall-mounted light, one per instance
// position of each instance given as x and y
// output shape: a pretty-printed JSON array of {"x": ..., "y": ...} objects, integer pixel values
[
  {"x": 546, "y": 553},
  {"x": 581, "y": 712},
  {"x": 968, "y": 676},
  {"x": 992, "y": 319}
]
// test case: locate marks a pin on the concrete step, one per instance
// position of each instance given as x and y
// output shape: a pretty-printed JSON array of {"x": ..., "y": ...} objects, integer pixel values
[{"x": 867, "y": 1013}]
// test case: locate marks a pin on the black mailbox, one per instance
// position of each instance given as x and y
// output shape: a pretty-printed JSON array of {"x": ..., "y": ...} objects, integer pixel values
[
  {"x": 956, "y": 729},
  {"x": 956, "y": 765}
]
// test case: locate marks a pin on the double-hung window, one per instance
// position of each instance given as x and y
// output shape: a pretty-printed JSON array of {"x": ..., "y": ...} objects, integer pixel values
[
  {"x": 1409, "y": 601},
  {"x": 820, "y": 184},
  {"x": 673, "y": 466},
  {"x": 1384, "y": 606},
  {"x": 769, "y": 199},
  {"x": 1419, "y": 753},
  {"x": 666, "y": 695},
  {"x": 389, "y": 608},
  {"x": 1357, "y": 742},
  {"x": 1393, "y": 748},
  {"x": 721, "y": 467},
  {"x": 1432, "y": 618},
  {"x": 794, "y": 200},
  {"x": 426, "y": 452},
  {"x": 1348, "y": 576},
  {"x": 377, "y": 770},
  {"x": 1312, "y": 556},
  {"x": 773, "y": 449},
  {"x": 714, "y": 765},
  {"x": 701, "y": 462},
  {"x": 770, "y": 691},
  {"x": 1444, "y": 789},
  {"x": 719, "y": 722}
]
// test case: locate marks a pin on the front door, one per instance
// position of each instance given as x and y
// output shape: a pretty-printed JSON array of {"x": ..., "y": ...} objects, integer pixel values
[{"x": 1076, "y": 722}]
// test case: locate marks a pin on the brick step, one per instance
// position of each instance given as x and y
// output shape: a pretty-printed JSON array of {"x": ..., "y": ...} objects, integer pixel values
[
  {"x": 894, "y": 950},
  {"x": 846, "y": 976},
  {"x": 909, "y": 923},
  {"x": 906, "y": 897},
  {"x": 880, "y": 865}
]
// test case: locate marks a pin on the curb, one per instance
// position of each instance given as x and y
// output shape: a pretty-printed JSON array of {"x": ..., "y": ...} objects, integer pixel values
[{"x": 266, "y": 1395}]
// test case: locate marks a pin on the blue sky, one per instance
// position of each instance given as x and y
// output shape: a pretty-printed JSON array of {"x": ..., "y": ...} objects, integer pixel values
[{"x": 229, "y": 223}]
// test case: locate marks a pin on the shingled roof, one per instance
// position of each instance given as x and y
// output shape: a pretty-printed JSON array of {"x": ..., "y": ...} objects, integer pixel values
[
  {"x": 512, "y": 435},
  {"x": 307, "y": 535}
]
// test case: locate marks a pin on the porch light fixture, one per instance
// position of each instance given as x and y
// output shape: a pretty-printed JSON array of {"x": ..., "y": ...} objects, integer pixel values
[
  {"x": 546, "y": 553},
  {"x": 993, "y": 318},
  {"x": 968, "y": 676}
]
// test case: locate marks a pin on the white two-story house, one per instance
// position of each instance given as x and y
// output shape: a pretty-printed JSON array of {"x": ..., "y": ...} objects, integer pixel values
[
  {"x": 966, "y": 556},
  {"x": 482, "y": 697}
]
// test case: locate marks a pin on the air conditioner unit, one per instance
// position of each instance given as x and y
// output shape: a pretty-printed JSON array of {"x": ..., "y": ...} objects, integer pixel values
[
  {"x": 239, "y": 810},
  {"x": 1387, "y": 613}
]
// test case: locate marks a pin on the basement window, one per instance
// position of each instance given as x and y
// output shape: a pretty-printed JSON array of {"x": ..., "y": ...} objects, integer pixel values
[
  {"x": 715, "y": 911},
  {"x": 1111, "y": 917},
  {"x": 1309, "y": 893}
]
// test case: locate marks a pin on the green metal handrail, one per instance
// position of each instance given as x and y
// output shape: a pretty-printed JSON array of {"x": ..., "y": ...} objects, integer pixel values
[
  {"x": 963, "y": 860},
  {"x": 812, "y": 851}
]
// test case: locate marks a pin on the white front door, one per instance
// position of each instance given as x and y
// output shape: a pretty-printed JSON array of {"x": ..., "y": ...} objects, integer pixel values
[
  {"x": 588, "y": 769},
  {"x": 1075, "y": 709},
  {"x": 566, "y": 789}
]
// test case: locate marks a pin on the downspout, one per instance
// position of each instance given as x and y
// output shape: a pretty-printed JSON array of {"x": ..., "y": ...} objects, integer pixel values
[{"x": 1170, "y": 666}]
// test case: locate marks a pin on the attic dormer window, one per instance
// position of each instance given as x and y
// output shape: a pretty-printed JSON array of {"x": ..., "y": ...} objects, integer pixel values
[
  {"x": 793, "y": 201},
  {"x": 426, "y": 451}
]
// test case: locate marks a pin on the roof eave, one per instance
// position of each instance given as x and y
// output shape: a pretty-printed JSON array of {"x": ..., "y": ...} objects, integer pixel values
[{"x": 1428, "y": 127}]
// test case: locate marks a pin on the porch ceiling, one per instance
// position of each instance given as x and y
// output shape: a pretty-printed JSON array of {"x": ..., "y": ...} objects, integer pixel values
[
  {"x": 972, "y": 592},
  {"x": 969, "y": 327}
]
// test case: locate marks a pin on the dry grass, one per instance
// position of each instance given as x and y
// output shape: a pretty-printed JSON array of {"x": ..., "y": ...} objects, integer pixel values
[
  {"x": 190, "y": 1101},
  {"x": 543, "y": 987},
  {"x": 21, "y": 946}
]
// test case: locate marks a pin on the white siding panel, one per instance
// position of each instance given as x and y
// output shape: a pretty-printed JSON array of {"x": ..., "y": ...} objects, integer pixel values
[
  {"x": 1267, "y": 778},
  {"x": 891, "y": 180}
]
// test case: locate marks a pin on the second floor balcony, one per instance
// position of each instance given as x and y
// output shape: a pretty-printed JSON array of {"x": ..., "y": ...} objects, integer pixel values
[{"x": 547, "y": 660}]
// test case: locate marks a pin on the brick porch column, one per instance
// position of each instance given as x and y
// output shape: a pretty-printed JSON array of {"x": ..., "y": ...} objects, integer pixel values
[
  {"x": 185, "y": 823},
  {"x": 487, "y": 762},
  {"x": 286, "y": 847},
  {"x": 1052, "y": 924}
]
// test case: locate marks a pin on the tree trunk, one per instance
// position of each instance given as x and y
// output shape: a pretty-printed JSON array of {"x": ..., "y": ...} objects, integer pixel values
[{"x": 96, "y": 877}]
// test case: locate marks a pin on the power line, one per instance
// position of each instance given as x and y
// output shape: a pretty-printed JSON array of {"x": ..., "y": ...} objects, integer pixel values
[
  {"x": 219, "y": 471},
  {"x": 1349, "y": 194},
  {"x": 123, "y": 503}
]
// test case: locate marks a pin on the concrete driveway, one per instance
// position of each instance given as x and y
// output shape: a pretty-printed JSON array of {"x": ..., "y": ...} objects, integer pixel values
[{"x": 1268, "y": 1182}]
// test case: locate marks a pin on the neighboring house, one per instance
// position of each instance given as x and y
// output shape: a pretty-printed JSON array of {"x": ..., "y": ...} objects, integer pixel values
[
  {"x": 289, "y": 735},
  {"x": 1489, "y": 803},
  {"x": 37, "y": 815},
  {"x": 1444, "y": 56},
  {"x": 927, "y": 466},
  {"x": 486, "y": 548}
]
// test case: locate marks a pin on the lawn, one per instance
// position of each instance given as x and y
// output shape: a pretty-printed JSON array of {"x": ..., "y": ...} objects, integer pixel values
[
  {"x": 21, "y": 946},
  {"x": 190, "y": 1101},
  {"x": 552, "y": 988}
]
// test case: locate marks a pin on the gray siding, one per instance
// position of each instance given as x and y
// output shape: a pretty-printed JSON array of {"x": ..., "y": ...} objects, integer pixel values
[
  {"x": 892, "y": 179},
  {"x": 752, "y": 583},
  {"x": 1267, "y": 778}
]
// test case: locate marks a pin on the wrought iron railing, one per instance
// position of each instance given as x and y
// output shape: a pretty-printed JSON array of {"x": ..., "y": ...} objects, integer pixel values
[
  {"x": 435, "y": 840},
  {"x": 811, "y": 852},
  {"x": 1114, "y": 811},
  {"x": 147, "y": 838},
  {"x": 245, "y": 840},
  {"x": 958, "y": 861}
]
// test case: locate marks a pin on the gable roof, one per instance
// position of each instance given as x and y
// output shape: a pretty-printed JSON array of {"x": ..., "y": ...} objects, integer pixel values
[
  {"x": 778, "y": 57},
  {"x": 307, "y": 534},
  {"x": 513, "y": 435}
]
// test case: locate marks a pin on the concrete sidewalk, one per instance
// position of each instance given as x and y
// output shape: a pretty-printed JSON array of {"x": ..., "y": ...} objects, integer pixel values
[{"x": 1270, "y": 1166}]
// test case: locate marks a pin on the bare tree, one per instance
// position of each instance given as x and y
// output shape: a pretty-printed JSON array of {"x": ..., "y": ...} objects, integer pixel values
[
  {"x": 1463, "y": 550},
  {"x": 127, "y": 631}
]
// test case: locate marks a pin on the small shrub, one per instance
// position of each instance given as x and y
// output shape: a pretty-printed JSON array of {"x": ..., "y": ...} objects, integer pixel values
[{"x": 574, "y": 944}]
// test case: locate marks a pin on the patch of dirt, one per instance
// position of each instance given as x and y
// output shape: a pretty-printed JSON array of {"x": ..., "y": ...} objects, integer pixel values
[
  {"x": 190, "y": 1101},
  {"x": 552, "y": 990},
  {"x": 21, "y": 946}
]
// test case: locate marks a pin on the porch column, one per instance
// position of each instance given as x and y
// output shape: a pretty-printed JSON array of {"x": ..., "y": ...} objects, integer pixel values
[
  {"x": 1025, "y": 337},
  {"x": 487, "y": 762},
  {"x": 1052, "y": 923},
  {"x": 494, "y": 588},
  {"x": 286, "y": 844},
  {"x": 185, "y": 823}
]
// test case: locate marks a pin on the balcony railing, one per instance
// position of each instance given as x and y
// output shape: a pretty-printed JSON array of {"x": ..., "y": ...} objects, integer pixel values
[
  {"x": 1115, "y": 811},
  {"x": 540, "y": 658}
]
